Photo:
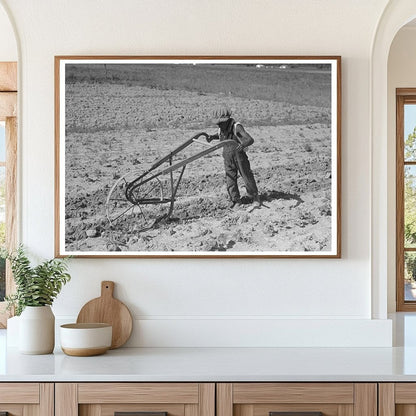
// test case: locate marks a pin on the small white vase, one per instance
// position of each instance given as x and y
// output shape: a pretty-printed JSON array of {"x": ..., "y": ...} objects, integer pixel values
[{"x": 37, "y": 330}]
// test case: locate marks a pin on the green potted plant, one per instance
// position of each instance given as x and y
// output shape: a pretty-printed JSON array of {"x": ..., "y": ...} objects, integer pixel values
[{"x": 36, "y": 289}]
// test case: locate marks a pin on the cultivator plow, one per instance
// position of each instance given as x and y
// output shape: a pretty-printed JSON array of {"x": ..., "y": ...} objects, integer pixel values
[{"x": 149, "y": 198}]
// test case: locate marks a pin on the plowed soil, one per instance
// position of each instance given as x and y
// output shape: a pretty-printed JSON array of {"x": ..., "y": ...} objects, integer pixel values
[{"x": 119, "y": 124}]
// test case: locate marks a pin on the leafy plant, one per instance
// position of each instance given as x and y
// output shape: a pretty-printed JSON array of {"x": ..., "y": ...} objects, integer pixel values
[{"x": 35, "y": 286}]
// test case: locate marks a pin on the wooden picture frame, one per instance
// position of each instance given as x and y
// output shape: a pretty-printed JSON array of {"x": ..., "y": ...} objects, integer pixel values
[{"x": 140, "y": 172}]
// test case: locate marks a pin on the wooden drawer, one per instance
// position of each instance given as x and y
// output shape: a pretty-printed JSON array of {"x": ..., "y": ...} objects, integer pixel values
[
  {"x": 331, "y": 399},
  {"x": 27, "y": 399},
  {"x": 105, "y": 399}
]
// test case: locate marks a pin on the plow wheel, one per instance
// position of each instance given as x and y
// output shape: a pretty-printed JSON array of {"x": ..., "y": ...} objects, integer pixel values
[{"x": 145, "y": 205}]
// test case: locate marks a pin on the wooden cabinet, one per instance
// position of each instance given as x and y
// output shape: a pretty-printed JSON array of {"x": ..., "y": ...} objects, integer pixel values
[
  {"x": 27, "y": 399},
  {"x": 208, "y": 399},
  {"x": 397, "y": 399},
  {"x": 264, "y": 399},
  {"x": 107, "y": 399}
]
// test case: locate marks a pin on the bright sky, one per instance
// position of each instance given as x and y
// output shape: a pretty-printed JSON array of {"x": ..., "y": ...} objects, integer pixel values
[{"x": 409, "y": 119}]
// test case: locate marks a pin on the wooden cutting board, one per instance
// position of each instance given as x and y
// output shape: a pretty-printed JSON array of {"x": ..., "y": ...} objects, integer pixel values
[{"x": 108, "y": 310}]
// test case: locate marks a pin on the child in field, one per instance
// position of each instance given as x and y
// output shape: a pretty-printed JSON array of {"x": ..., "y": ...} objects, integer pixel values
[{"x": 235, "y": 158}]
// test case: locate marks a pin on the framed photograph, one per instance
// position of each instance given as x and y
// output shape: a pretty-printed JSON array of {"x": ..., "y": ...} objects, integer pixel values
[{"x": 198, "y": 156}]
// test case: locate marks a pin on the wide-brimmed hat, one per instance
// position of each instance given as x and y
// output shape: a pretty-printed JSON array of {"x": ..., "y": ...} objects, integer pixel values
[{"x": 221, "y": 114}]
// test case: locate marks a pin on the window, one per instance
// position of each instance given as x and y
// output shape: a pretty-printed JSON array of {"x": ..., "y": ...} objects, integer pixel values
[
  {"x": 8, "y": 165},
  {"x": 406, "y": 199}
]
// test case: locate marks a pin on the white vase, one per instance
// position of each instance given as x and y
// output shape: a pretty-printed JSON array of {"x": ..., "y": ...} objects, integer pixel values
[{"x": 37, "y": 330}]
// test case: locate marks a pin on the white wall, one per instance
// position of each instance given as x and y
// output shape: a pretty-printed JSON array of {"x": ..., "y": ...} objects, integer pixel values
[
  {"x": 401, "y": 74},
  {"x": 287, "y": 298},
  {"x": 8, "y": 46}
]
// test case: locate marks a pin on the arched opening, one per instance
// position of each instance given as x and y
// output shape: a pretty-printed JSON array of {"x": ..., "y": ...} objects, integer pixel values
[
  {"x": 383, "y": 240},
  {"x": 401, "y": 123}
]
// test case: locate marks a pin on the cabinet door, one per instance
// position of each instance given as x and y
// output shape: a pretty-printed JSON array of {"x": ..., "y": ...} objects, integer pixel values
[
  {"x": 397, "y": 399},
  {"x": 297, "y": 399},
  {"x": 142, "y": 399},
  {"x": 26, "y": 399}
]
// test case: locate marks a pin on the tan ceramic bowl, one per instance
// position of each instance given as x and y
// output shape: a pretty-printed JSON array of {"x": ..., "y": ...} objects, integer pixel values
[{"x": 83, "y": 340}]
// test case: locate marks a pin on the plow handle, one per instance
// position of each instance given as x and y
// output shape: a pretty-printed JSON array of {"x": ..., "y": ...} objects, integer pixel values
[
  {"x": 185, "y": 162},
  {"x": 142, "y": 179},
  {"x": 177, "y": 150}
]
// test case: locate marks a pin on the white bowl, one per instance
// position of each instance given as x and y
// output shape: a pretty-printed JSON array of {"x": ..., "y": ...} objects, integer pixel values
[{"x": 83, "y": 340}]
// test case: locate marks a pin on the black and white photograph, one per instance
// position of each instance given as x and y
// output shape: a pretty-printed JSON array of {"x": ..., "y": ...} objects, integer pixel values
[{"x": 198, "y": 157}]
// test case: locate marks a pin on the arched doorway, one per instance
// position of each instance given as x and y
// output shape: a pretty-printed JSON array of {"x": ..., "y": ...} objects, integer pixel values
[{"x": 396, "y": 15}]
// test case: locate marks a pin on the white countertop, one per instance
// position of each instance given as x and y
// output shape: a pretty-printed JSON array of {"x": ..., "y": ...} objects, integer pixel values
[
  {"x": 215, "y": 364},
  {"x": 221, "y": 364}
]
